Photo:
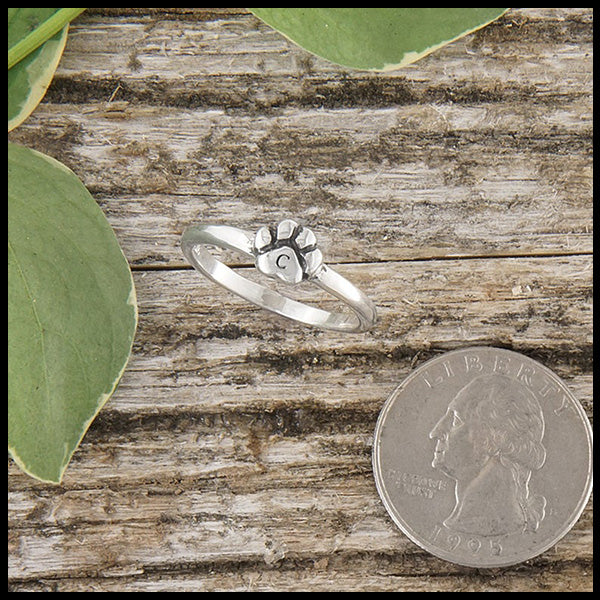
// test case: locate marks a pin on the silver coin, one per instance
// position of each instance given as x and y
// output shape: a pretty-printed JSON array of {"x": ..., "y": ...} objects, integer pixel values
[{"x": 483, "y": 457}]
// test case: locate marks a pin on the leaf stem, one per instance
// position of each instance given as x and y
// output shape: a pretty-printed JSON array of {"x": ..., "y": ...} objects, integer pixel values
[{"x": 41, "y": 34}]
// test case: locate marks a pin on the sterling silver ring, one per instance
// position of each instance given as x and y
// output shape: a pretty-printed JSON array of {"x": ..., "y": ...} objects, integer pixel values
[{"x": 287, "y": 252}]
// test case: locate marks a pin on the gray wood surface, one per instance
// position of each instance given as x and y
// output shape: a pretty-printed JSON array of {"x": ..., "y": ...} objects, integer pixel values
[{"x": 236, "y": 452}]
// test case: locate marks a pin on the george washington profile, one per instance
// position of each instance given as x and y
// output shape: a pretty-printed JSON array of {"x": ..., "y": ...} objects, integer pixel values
[{"x": 490, "y": 442}]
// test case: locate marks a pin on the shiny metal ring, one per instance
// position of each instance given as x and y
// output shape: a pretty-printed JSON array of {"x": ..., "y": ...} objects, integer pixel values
[{"x": 287, "y": 252}]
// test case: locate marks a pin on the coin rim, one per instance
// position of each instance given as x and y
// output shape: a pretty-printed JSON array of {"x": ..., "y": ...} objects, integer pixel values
[{"x": 406, "y": 529}]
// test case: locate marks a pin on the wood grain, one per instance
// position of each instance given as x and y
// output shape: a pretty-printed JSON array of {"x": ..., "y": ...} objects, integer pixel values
[{"x": 236, "y": 452}]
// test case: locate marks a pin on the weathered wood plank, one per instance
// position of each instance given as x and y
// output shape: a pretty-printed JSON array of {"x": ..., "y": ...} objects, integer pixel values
[
  {"x": 375, "y": 185},
  {"x": 299, "y": 497},
  {"x": 263, "y": 523},
  {"x": 525, "y": 303},
  {"x": 308, "y": 578},
  {"x": 318, "y": 575},
  {"x": 550, "y": 45},
  {"x": 229, "y": 538}
]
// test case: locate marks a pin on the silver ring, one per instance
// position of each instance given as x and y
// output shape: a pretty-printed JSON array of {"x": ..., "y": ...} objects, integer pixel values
[{"x": 287, "y": 252}]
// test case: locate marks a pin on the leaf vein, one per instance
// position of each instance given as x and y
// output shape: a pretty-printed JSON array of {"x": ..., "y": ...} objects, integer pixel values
[{"x": 36, "y": 317}]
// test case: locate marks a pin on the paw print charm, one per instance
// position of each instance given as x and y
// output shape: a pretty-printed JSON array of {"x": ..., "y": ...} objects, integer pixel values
[{"x": 288, "y": 252}]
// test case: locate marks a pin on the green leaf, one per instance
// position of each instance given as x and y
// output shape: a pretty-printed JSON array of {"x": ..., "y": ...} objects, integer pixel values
[
  {"x": 36, "y": 39},
  {"x": 29, "y": 79},
  {"x": 71, "y": 312},
  {"x": 24, "y": 21},
  {"x": 378, "y": 39},
  {"x": 29, "y": 28}
]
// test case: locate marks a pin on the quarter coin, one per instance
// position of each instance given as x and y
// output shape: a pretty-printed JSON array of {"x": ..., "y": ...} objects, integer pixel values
[{"x": 483, "y": 457}]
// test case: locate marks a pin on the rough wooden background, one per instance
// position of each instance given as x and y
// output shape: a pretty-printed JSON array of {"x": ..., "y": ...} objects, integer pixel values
[{"x": 236, "y": 452}]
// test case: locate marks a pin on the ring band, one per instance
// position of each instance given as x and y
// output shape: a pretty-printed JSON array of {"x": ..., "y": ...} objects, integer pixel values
[{"x": 287, "y": 252}]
